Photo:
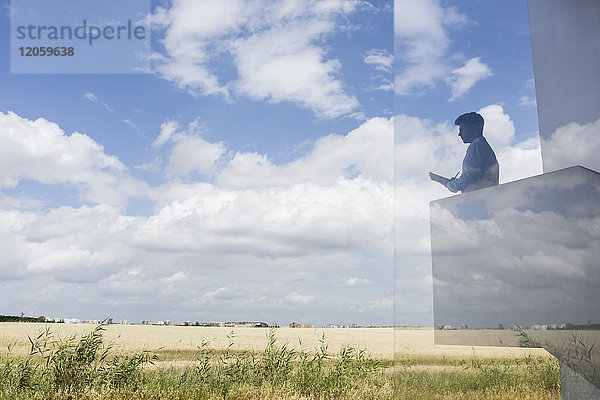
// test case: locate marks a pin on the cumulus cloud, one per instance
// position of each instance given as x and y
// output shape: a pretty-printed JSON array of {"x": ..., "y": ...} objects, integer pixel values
[
  {"x": 189, "y": 152},
  {"x": 354, "y": 281},
  {"x": 39, "y": 150},
  {"x": 465, "y": 77},
  {"x": 424, "y": 59},
  {"x": 292, "y": 232},
  {"x": 202, "y": 237},
  {"x": 282, "y": 64},
  {"x": 276, "y": 222},
  {"x": 192, "y": 153},
  {"x": 572, "y": 144},
  {"x": 297, "y": 298},
  {"x": 421, "y": 29},
  {"x": 361, "y": 152},
  {"x": 276, "y": 48}
]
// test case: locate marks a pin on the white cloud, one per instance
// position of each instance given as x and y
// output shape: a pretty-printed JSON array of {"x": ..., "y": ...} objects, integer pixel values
[
  {"x": 21, "y": 202},
  {"x": 499, "y": 129},
  {"x": 572, "y": 144},
  {"x": 68, "y": 258},
  {"x": 365, "y": 151},
  {"x": 221, "y": 293},
  {"x": 176, "y": 277},
  {"x": 530, "y": 83},
  {"x": 288, "y": 231},
  {"x": 192, "y": 153},
  {"x": 129, "y": 123},
  {"x": 167, "y": 129},
  {"x": 41, "y": 151},
  {"x": 382, "y": 63},
  {"x": 380, "y": 59},
  {"x": 527, "y": 101},
  {"x": 354, "y": 281},
  {"x": 421, "y": 31},
  {"x": 521, "y": 160},
  {"x": 282, "y": 64},
  {"x": 134, "y": 127},
  {"x": 332, "y": 216},
  {"x": 154, "y": 165},
  {"x": 297, "y": 298},
  {"x": 276, "y": 222},
  {"x": 465, "y": 77},
  {"x": 92, "y": 97},
  {"x": 274, "y": 46}
]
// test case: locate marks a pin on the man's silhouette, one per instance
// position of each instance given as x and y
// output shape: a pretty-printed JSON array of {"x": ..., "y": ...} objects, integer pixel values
[{"x": 480, "y": 166}]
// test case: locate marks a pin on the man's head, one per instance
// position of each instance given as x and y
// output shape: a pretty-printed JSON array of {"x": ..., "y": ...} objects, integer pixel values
[{"x": 470, "y": 126}]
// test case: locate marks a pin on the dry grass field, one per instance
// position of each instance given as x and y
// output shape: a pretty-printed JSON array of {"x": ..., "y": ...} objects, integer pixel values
[
  {"x": 380, "y": 342},
  {"x": 419, "y": 342},
  {"x": 256, "y": 363},
  {"x": 185, "y": 339}
]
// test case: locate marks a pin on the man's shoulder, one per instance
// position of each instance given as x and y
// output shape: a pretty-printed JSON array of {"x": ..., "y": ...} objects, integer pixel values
[{"x": 480, "y": 142}]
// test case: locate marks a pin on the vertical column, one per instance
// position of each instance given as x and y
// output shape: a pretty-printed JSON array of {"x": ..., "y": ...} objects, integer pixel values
[{"x": 565, "y": 38}]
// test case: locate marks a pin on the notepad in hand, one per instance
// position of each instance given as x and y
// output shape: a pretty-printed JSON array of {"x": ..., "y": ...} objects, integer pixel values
[{"x": 438, "y": 178}]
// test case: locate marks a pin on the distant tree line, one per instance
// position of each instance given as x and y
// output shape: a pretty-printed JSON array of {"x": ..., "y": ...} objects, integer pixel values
[{"x": 16, "y": 318}]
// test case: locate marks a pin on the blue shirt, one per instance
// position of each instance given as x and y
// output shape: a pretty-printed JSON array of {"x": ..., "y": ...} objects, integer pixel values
[{"x": 479, "y": 168}]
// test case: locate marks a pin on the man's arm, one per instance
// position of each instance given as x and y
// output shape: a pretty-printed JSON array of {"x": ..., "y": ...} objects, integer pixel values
[{"x": 472, "y": 170}]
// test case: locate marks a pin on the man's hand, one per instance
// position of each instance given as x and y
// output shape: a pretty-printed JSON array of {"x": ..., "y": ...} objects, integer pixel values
[{"x": 439, "y": 179}]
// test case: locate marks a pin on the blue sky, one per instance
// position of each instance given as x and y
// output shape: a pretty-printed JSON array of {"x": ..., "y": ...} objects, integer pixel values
[{"x": 250, "y": 175}]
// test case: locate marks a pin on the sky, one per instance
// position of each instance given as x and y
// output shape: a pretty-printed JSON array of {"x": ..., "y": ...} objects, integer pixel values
[
  {"x": 453, "y": 58},
  {"x": 270, "y": 166}
]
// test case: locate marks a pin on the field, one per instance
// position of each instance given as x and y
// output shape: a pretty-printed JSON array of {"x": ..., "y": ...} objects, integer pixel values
[{"x": 155, "y": 362}]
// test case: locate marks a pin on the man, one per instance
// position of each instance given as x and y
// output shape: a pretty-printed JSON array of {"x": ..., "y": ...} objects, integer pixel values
[{"x": 480, "y": 167}]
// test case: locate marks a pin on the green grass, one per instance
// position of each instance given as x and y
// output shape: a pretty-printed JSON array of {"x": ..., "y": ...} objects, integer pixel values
[
  {"x": 87, "y": 368},
  {"x": 576, "y": 351},
  {"x": 473, "y": 378}
]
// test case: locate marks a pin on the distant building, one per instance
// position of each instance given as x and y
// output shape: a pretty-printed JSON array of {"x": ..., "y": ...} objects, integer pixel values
[
  {"x": 297, "y": 325},
  {"x": 145, "y": 322},
  {"x": 124, "y": 322}
]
